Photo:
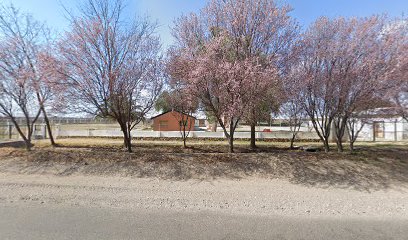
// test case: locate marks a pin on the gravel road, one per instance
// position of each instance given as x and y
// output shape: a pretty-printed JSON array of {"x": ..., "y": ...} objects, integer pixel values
[
  {"x": 249, "y": 196},
  {"x": 251, "y": 201}
]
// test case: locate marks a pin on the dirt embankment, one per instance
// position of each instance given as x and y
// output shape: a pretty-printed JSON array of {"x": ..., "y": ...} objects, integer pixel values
[
  {"x": 370, "y": 169},
  {"x": 273, "y": 181}
]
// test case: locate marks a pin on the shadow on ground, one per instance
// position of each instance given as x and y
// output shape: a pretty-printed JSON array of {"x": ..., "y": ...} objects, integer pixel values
[
  {"x": 14, "y": 144},
  {"x": 370, "y": 169}
]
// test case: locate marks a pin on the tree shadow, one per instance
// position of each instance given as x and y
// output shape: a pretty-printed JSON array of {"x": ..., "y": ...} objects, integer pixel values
[
  {"x": 370, "y": 169},
  {"x": 363, "y": 174},
  {"x": 12, "y": 144}
]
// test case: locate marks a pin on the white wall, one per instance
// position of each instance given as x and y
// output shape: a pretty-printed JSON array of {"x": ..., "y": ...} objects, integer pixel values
[
  {"x": 276, "y": 133},
  {"x": 176, "y": 134},
  {"x": 395, "y": 129}
]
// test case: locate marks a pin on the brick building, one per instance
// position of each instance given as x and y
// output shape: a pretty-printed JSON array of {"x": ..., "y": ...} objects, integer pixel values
[{"x": 171, "y": 121}]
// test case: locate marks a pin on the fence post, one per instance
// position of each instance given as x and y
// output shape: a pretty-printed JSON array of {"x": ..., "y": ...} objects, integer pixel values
[
  {"x": 44, "y": 131},
  {"x": 10, "y": 130},
  {"x": 57, "y": 130},
  {"x": 374, "y": 131}
]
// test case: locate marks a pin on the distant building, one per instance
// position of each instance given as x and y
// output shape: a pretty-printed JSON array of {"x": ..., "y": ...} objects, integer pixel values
[
  {"x": 171, "y": 121},
  {"x": 201, "y": 123},
  {"x": 383, "y": 124}
]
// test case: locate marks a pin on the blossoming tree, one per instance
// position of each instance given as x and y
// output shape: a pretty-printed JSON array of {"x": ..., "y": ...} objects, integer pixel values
[{"x": 113, "y": 67}]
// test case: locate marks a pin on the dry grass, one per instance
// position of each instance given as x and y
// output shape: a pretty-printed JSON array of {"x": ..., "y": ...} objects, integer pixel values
[
  {"x": 117, "y": 143},
  {"x": 372, "y": 167}
]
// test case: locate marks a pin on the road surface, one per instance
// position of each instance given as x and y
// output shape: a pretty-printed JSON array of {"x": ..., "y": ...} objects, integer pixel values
[
  {"x": 89, "y": 207},
  {"x": 39, "y": 222}
]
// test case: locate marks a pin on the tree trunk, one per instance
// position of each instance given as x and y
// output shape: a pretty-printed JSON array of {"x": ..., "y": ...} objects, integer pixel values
[
  {"x": 231, "y": 137},
  {"x": 353, "y": 133},
  {"x": 27, "y": 140},
  {"x": 49, "y": 129},
  {"x": 339, "y": 143},
  {"x": 183, "y": 134},
  {"x": 28, "y": 144},
  {"x": 185, "y": 131},
  {"x": 214, "y": 126},
  {"x": 231, "y": 144},
  {"x": 326, "y": 145},
  {"x": 323, "y": 130},
  {"x": 253, "y": 137},
  {"x": 340, "y": 129},
  {"x": 351, "y": 146},
  {"x": 292, "y": 140},
  {"x": 340, "y": 147},
  {"x": 127, "y": 142}
]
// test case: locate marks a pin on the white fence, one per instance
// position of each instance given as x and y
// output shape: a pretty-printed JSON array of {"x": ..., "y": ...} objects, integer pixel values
[
  {"x": 391, "y": 132},
  {"x": 59, "y": 132},
  {"x": 176, "y": 134}
]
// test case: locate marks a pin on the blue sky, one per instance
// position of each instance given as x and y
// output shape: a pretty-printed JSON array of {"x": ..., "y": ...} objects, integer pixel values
[{"x": 165, "y": 11}]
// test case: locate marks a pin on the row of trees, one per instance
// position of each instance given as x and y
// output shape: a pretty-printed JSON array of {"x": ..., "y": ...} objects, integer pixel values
[
  {"x": 236, "y": 60},
  {"x": 25, "y": 77},
  {"x": 104, "y": 66},
  {"x": 348, "y": 66},
  {"x": 238, "y": 56}
]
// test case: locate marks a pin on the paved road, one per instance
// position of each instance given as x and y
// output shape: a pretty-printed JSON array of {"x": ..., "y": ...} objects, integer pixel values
[
  {"x": 92, "y": 207},
  {"x": 40, "y": 222}
]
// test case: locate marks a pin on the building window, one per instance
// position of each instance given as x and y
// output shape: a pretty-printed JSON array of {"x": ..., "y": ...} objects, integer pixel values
[
  {"x": 163, "y": 124},
  {"x": 379, "y": 129},
  {"x": 201, "y": 123}
]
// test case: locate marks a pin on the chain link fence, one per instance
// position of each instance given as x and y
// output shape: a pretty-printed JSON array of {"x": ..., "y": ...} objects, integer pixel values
[{"x": 378, "y": 130}]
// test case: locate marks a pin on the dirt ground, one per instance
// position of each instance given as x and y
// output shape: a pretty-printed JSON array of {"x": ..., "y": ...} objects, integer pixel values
[{"x": 372, "y": 167}]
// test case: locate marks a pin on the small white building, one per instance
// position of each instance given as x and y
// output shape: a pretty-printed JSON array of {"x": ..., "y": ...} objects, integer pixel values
[{"x": 383, "y": 124}]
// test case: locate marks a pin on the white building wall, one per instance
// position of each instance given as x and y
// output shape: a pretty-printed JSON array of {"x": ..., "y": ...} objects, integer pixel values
[
  {"x": 176, "y": 134},
  {"x": 405, "y": 131},
  {"x": 395, "y": 129}
]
